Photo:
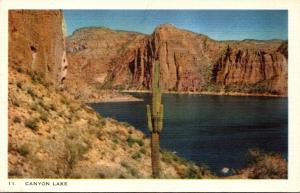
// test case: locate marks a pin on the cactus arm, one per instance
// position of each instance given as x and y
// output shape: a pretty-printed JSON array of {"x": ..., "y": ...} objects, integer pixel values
[
  {"x": 149, "y": 118},
  {"x": 161, "y": 115}
]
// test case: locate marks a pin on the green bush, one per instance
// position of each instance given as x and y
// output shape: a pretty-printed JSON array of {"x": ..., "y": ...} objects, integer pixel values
[
  {"x": 115, "y": 141},
  {"x": 136, "y": 155},
  {"x": 24, "y": 150},
  {"x": 170, "y": 157},
  {"x": 130, "y": 140},
  {"x": 143, "y": 151}
]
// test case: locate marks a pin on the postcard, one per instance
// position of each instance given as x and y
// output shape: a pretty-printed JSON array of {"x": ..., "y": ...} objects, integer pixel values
[{"x": 149, "y": 96}]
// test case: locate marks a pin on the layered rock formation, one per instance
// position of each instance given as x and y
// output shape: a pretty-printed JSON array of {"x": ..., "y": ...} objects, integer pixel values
[
  {"x": 252, "y": 64},
  {"x": 189, "y": 61},
  {"x": 38, "y": 48}
]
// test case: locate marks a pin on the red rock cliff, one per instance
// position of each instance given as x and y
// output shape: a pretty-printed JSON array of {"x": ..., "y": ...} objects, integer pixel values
[
  {"x": 188, "y": 61},
  {"x": 254, "y": 64},
  {"x": 36, "y": 43}
]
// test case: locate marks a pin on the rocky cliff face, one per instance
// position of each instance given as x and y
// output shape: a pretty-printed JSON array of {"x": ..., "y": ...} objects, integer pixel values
[
  {"x": 184, "y": 58},
  {"x": 188, "y": 61},
  {"x": 255, "y": 63},
  {"x": 37, "y": 43},
  {"x": 91, "y": 51}
]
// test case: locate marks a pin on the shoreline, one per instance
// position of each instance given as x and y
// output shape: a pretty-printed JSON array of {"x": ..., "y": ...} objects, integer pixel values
[
  {"x": 113, "y": 100},
  {"x": 125, "y": 95},
  {"x": 208, "y": 93}
]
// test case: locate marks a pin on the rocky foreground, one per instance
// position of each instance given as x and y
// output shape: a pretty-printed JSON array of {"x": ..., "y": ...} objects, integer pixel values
[{"x": 52, "y": 134}]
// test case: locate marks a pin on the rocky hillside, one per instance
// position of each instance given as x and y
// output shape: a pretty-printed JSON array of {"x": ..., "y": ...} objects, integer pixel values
[
  {"x": 52, "y": 135},
  {"x": 189, "y": 61}
]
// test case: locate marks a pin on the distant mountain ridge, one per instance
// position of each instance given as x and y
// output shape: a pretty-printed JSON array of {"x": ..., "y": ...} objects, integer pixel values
[{"x": 189, "y": 61}]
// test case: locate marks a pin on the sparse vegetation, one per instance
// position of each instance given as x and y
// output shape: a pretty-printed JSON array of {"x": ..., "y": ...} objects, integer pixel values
[
  {"x": 170, "y": 157},
  {"x": 136, "y": 155},
  {"x": 125, "y": 124},
  {"x": 24, "y": 150},
  {"x": 19, "y": 69},
  {"x": 130, "y": 140},
  {"x": 17, "y": 119},
  {"x": 75, "y": 150},
  {"x": 52, "y": 107},
  {"x": 263, "y": 165},
  {"x": 43, "y": 105},
  {"x": 19, "y": 84},
  {"x": 115, "y": 141},
  {"x": 34, "y": 107},
  {"x": 44, "y": 117},
  {"x": 31, "y": 92},
  {"x": 32, "y": 124}
]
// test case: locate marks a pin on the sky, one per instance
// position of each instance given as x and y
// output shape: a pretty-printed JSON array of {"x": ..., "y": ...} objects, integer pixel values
[{"x": 217, "y": 24}]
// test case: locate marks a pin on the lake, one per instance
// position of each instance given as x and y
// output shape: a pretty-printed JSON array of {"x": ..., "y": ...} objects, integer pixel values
[{"x": 213, "y": 130}]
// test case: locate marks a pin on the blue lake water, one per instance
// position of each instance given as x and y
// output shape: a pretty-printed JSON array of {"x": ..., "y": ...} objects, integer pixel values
[{"x": 213, "y": 130}]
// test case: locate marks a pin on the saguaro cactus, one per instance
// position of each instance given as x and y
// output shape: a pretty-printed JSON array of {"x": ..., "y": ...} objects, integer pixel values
[{"x": 155, "y": 121}]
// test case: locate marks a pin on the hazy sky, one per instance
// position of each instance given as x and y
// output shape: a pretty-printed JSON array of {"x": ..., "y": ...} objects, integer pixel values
[{"x": 217, "y": 24}]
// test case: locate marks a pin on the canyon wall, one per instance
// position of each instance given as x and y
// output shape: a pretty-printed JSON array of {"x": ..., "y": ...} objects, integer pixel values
[
  {"x": 188, "y": 61},
  {"x": 36, "y": 43},
  {"x": 250, "y": 64}
]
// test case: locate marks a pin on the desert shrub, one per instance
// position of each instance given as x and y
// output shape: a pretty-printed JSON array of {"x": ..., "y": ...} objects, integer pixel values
[
  {"x": 52, "y": 107},
  {"x": 130, "y": 140},
  {"x": 24, "y": 150},
  {"x": 142, "y": 150},
  {"x": 99, "y": 135},
  {"x": 131, "y": 169},
  {"x": 19, "y": 69},
  {"x": 64, "y": 100},
  {"x": 265, "y": 165},
  {"x": 170, "y": 157},
  {"x": 15, "y": 101},
  {"x": 44, "y": 117},
  {"x": 125, "y": 124},
  {"x": 31, "y": 92},
  {"x": 99, "y": 116},
  {"x": 120, "y": 87},
  {"x": 114, "y": 147},
  {"x": 19, "y": 84},
  {"x": 134, "y": 172},
  {"x": 125, "y": 164},
  {"x": 34, "y": 107},
  {"x": 43, "y": 105},
  {"x": 17, "y": 119},
  {"x": 136, "y": 155},
  {"x": 75, "y": 150},
  {"x": 37, "y": 77},
  {"x": 32, "y": 124},
  {"x": 115, "y": 141}
]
